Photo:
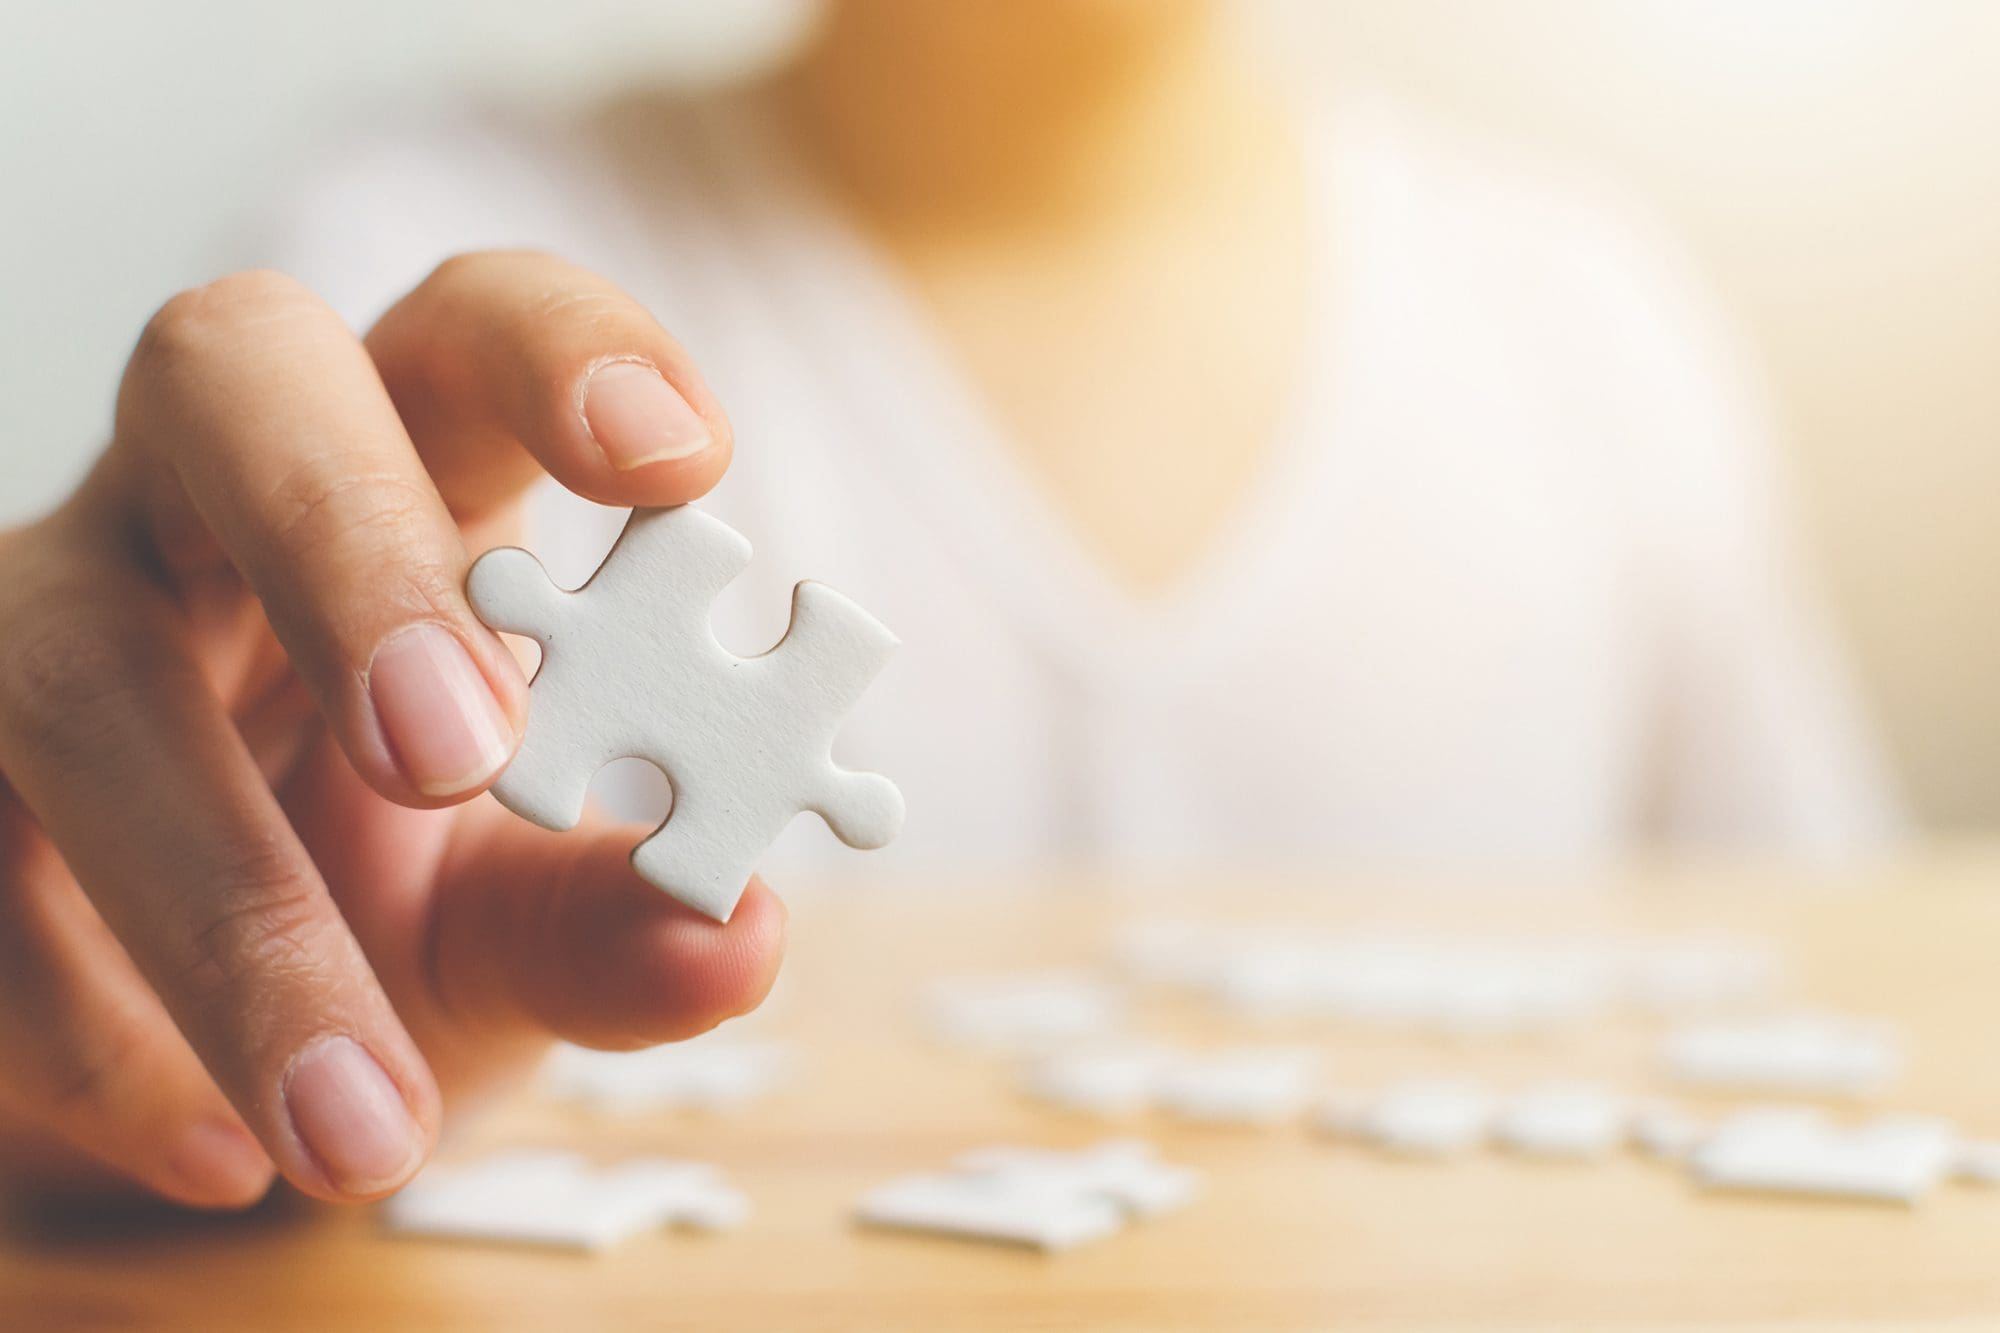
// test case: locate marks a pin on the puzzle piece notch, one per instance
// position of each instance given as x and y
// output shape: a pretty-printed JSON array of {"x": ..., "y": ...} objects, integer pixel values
[{"x": 631, "y": 668}]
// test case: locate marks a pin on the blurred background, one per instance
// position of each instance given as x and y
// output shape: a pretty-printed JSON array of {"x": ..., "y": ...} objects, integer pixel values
[{"x": 1831, "y": 163}]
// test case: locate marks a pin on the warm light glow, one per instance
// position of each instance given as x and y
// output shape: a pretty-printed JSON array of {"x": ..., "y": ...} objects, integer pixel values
[{"x": 1780, "y": 41}]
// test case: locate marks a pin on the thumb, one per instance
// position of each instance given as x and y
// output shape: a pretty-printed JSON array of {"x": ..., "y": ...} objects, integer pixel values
[{"x": 557, "y": 932}]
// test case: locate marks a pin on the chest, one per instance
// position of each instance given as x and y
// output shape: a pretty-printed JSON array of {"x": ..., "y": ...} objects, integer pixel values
[
  {"x": 1432, "y": 637},
  {"x": 1138, "y": 377}
]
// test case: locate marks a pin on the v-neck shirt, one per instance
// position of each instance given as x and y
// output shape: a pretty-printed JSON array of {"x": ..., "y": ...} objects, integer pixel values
[{"x": 1513, "y": 585}]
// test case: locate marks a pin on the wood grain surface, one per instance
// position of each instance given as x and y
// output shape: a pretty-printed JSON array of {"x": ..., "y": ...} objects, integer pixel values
[{"x": 1294, "y": 1232}]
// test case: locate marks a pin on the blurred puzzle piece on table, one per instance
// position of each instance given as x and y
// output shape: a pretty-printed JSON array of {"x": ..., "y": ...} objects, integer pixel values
[{"x": 559, "y": 1200}]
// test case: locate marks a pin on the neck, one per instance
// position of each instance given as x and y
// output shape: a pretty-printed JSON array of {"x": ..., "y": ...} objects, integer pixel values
[{"x": 962, "y": 116}]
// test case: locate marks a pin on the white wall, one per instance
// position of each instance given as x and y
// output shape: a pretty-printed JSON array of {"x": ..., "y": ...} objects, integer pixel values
[{"x": 133, "y": 131}]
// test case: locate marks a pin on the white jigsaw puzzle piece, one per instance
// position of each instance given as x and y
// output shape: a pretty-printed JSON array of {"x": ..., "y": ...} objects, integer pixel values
[
  {"x": 1662, "y": 1130},
  {"x": 1025, "y": 1011},
  {"x": 1172, "y": 952},
  {"x": 1458, "y": 986},
  {"x": 559, "y": 1200},
  {"x": 1562, "y": 1119},
  {"x": 1424, "y": 1117},
  {"x": 1048, "y": 1198},
  {"x": 708, "y": 1073},
  {"x": 1020, "y": 1211},
  {"x": 1243, "y": 1086},
  {"x": 1978, "y": 1162},
  {"x": 1124, "y": 1171},
  {"x": 1104, "y": 1080},
  {"x": 1801, "y": 1053},
  {"x": 631, "y": 669},
  {"x": 1679, "y": 975},
  {"x": 1798, "y": 1151}
]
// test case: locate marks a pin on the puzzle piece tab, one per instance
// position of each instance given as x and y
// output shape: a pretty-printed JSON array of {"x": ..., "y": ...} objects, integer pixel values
[{"x": 631, "y": 668}]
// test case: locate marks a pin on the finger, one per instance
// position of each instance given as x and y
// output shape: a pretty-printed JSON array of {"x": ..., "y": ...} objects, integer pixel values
[
  {"x": 555, "y": 930},
  {"x": 110, "y": 736},
  {"x": 253, "y": 396},
  {"x": 508, "y": 363},
  {"x": 92, "y": 1059}
]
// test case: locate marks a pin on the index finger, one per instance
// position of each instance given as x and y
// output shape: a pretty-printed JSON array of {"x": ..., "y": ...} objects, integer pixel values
[{"x": 507, "y": 364}]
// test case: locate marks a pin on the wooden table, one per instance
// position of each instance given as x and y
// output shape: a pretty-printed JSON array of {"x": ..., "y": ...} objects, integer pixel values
[{"x": 1294, "y": 1232}]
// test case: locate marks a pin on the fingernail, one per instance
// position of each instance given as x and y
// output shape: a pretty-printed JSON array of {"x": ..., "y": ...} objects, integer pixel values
[
  {"x": 351, "y": 1117},
  {"x": 636, "y": 417},
  {"x": 219, "y": 1161},
  {"x": 442, "y": 722}
]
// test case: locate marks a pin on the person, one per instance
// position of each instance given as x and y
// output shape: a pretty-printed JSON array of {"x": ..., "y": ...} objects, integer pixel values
[{"x": 1252, "y": 484}]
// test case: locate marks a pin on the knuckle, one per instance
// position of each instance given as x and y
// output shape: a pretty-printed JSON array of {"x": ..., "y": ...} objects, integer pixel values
[
  {"x": 318, "y": 511},
  {"x": 374, "y": 527},
  {"x": 538, "y": 288},
  {"x": 61, "y": 675},
  {"x": 573, "y": 313},
  {"x": 473, "y": 267},
  {"x": 267, "y": 923},
  {"x": 215, "y": 317}
]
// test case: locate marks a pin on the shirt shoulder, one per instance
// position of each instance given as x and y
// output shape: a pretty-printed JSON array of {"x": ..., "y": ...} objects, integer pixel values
[
  {"x": 1576, "y": 286},
  {"x": 373, "y": 211}
]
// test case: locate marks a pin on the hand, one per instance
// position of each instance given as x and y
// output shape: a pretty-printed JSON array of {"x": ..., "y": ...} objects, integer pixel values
[{"x": 250, "y": 917}]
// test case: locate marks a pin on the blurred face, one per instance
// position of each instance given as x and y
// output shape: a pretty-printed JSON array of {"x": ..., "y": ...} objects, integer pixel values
[
  {"x": 1019, "y": 45},
  {"x": 924, "y": 101}
]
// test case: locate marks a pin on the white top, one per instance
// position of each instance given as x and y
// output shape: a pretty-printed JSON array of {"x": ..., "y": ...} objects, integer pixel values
[{"x": 1515, "y": 588}]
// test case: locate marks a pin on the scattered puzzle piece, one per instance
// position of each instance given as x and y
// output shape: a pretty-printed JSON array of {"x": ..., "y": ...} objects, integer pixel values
[
  {"x": 1105, "y": 1080},
  {"x": 631, "y": 668},
  {"x": 708, "y": 1073},
  {"x": 1426, "y": 1117},
  {"x": 1665, "y": 1131},
  {"x": 1978, "y": 1162},
  {"x": 1049, "y": 1199},
  {"x": 1799, "y": 1053},
  {"x": 997, "y": 1208},
  {"x": 559, "y": 1200},
  {"x": 1454, "y": 985},
  {"x": 1124, "y": 1171},
  {"x": 1798, "y": 1151},
  {"x": 1239, "y": 1086},
  {"x": 1678, "y": 975},
  {"x": 1562, "y": 1120},
  {"x": 1024, "y": 1011}
]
